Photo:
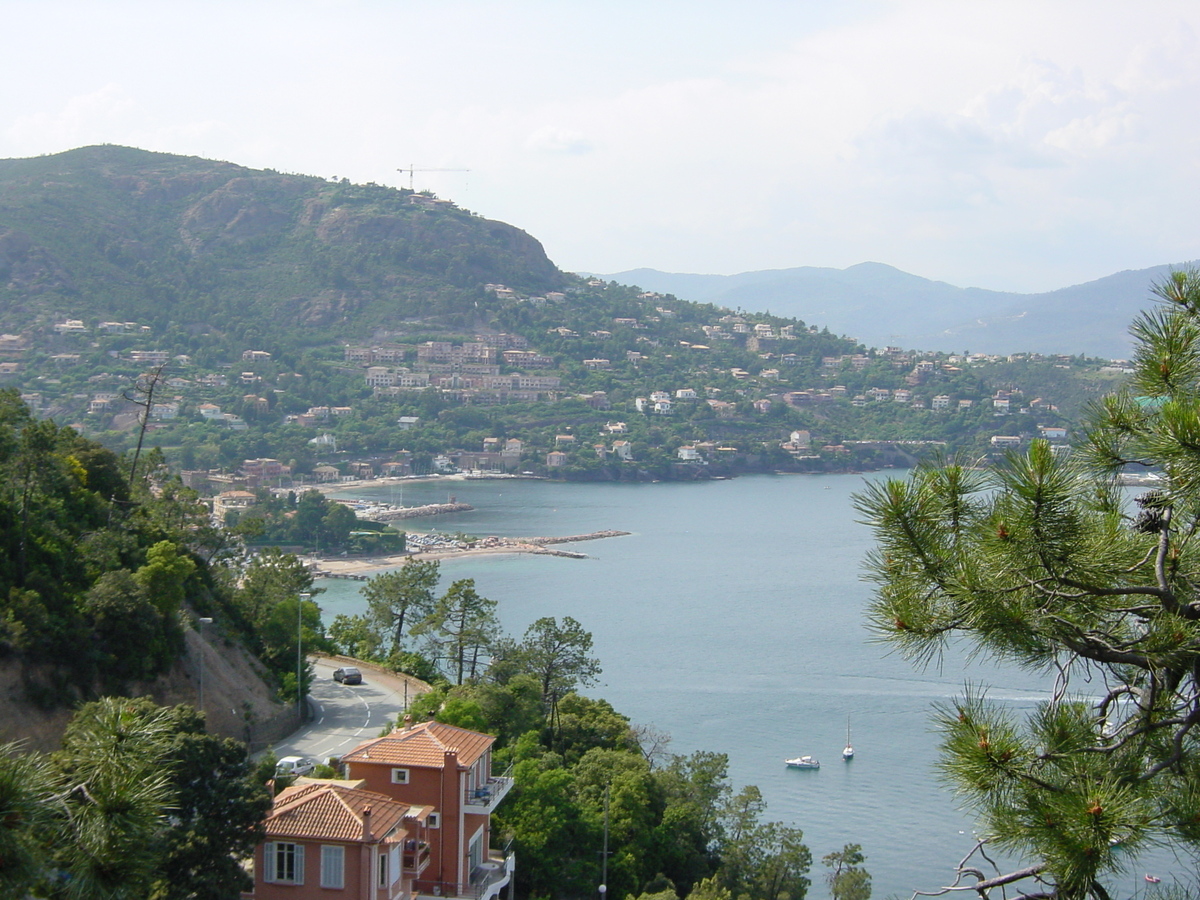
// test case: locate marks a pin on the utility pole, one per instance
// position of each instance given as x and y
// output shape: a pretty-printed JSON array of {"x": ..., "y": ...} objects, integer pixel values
[{"x": 604, "y": 854}]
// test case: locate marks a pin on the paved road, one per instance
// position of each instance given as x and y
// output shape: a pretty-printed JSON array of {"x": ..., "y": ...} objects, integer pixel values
[{"x": 344, "y": 715}]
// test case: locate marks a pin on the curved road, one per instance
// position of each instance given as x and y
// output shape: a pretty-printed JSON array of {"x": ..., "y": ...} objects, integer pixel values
[{"x": 346, "y": 715}]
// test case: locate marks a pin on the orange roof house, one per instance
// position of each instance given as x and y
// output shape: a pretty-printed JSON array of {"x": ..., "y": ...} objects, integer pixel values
[
  {"x": 449, "y": 769},
  {"x": 331, "y": 840}
]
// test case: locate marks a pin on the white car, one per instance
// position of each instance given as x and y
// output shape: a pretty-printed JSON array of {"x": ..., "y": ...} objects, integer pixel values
[{"x": 294, "y": 765}]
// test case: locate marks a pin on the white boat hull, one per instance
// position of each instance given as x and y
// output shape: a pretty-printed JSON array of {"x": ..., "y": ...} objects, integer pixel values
[{"x": 803, "y": 762}]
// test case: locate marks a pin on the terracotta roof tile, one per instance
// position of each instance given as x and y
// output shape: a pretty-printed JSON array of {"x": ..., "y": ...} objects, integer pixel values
[
  {"x": 331, "y": 812},
  {"x": 423, "y": 745}
]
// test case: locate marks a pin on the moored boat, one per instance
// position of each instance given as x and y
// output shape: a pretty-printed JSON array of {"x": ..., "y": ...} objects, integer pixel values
[{"x": 803, "y": 762}]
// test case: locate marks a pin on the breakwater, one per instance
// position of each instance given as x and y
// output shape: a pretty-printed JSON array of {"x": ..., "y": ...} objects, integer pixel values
[
  {"x": 416, "y": 512},
  {"x": 570, "y": 539}
]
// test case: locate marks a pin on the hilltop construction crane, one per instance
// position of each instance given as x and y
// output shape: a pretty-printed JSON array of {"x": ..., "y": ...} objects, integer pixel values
[{"x": 411, "y": 169}]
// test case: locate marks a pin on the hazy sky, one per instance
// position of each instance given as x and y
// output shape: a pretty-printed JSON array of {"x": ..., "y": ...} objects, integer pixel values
[{"x": 1010, "y": 145}]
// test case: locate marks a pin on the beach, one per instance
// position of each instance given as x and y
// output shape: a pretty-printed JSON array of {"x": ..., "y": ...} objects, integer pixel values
[{"x": 360, "y": 567}]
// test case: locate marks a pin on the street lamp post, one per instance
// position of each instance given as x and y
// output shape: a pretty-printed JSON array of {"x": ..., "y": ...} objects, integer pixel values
[
  {"x": 604, "y": 854},
  {"x": 300, "y": 656},
  {"x": 202, "y": 622}
]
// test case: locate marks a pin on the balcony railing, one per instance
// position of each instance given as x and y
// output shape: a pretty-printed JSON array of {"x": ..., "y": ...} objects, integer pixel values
[
  {"x": 485, "y": 797},
  {"x": 416, "y": 857},
  {"x": 486, "y": 880},
  {"x": 492, "y": 874}
]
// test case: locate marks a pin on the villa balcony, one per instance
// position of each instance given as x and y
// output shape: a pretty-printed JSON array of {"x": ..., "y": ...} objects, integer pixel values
[
  {"x": 484, "y": 798},
  {"x": 492, "y": 875},
  {"x": 416, "y": 858},
  {"x": 487, "y": 880}
]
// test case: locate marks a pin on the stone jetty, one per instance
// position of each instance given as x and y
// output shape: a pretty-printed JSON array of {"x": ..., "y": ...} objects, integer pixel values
[
  {"x": 416, "y": 512},
  {"x": 571, "y": 539}
]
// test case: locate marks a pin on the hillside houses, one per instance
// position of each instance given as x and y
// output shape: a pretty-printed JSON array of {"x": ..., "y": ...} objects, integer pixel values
[{"x": 689, "y": 375}]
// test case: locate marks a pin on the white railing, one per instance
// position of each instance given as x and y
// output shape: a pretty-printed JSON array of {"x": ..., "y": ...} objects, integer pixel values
[{"x": 485, "y": 797}]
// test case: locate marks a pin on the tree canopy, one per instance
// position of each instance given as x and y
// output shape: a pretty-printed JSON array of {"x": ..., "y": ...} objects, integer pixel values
[
  {"x": 139, "y": 802},
  {"x": 1043, "y": 562}
]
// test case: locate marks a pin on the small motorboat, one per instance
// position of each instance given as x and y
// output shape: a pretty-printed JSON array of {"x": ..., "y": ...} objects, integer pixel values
[
  {"x": 803, "y": 762},
  {"x": 1153, "y": 879}
]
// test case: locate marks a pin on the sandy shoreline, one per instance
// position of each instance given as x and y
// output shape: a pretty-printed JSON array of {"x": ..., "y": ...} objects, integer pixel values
[{"x": 343, "y": 567}]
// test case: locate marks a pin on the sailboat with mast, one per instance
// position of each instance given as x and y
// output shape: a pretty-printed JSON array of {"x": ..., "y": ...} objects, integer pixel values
[{"x": 848, "y": 750}]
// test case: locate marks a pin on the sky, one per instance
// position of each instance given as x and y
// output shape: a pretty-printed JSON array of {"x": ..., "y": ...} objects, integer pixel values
[{"x": 1011, "y": 145}]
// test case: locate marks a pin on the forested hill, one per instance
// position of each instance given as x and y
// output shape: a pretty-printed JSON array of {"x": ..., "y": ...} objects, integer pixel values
[{"x": 118, "y": 233}]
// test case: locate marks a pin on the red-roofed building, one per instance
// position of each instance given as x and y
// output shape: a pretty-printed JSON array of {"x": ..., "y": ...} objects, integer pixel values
[
  {"x": 450, "y": 770},
  {"x": 332, "y": 840}
]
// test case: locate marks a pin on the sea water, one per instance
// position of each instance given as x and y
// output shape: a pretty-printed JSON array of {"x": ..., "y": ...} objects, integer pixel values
[{"x": 732, "y": 617}]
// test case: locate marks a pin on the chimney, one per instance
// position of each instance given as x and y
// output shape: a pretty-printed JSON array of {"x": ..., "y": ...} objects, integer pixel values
[{"x": 366, "y": 822}]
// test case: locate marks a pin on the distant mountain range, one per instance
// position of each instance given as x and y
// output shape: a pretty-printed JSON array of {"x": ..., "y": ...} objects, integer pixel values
[{"x": 880, "y": 306}]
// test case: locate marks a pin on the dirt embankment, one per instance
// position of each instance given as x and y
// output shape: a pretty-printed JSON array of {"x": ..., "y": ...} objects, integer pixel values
[{"x": 237, "y": 702}]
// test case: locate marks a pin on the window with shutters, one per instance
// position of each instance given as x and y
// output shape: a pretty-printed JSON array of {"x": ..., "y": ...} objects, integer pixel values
[
  {"x": 284, "y": 863},
  {"x": 333, "y": 866}
]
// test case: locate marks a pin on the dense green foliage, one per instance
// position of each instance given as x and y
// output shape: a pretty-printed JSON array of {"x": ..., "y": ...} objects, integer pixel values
[
  {"x": 99, "y": 579},
  {"x": 93, "y": 576},
  {"x": 139, "y": 803},
  {"x": 311, "y": 520},
  {"x": 1044, "y": 562}
]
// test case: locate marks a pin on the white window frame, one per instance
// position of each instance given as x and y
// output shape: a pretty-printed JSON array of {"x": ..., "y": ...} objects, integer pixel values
[
  {"x": 382, "y": 870},
  {"x": 400, "y": 776},
  {"x": 475, "y": 854},
  {"x": 434, "y": 820},
  {"x": 272, "y": 852},
  {"x": 333, "y": 866}
]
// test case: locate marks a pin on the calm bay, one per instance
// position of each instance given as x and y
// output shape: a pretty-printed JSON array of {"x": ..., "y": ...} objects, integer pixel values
[{"x": 732, "y": 618}]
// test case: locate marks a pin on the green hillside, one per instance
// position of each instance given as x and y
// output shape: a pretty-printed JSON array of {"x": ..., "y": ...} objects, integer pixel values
[
  {"x": 324, "y": 323},
  {"x": 114, "y": 232}
]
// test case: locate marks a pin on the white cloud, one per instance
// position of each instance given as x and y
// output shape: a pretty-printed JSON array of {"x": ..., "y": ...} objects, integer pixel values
[
  {"x": 553, "y": 139},
  {"x": 83, "y": 119},
  {"x": 1015, "y": 144}
]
